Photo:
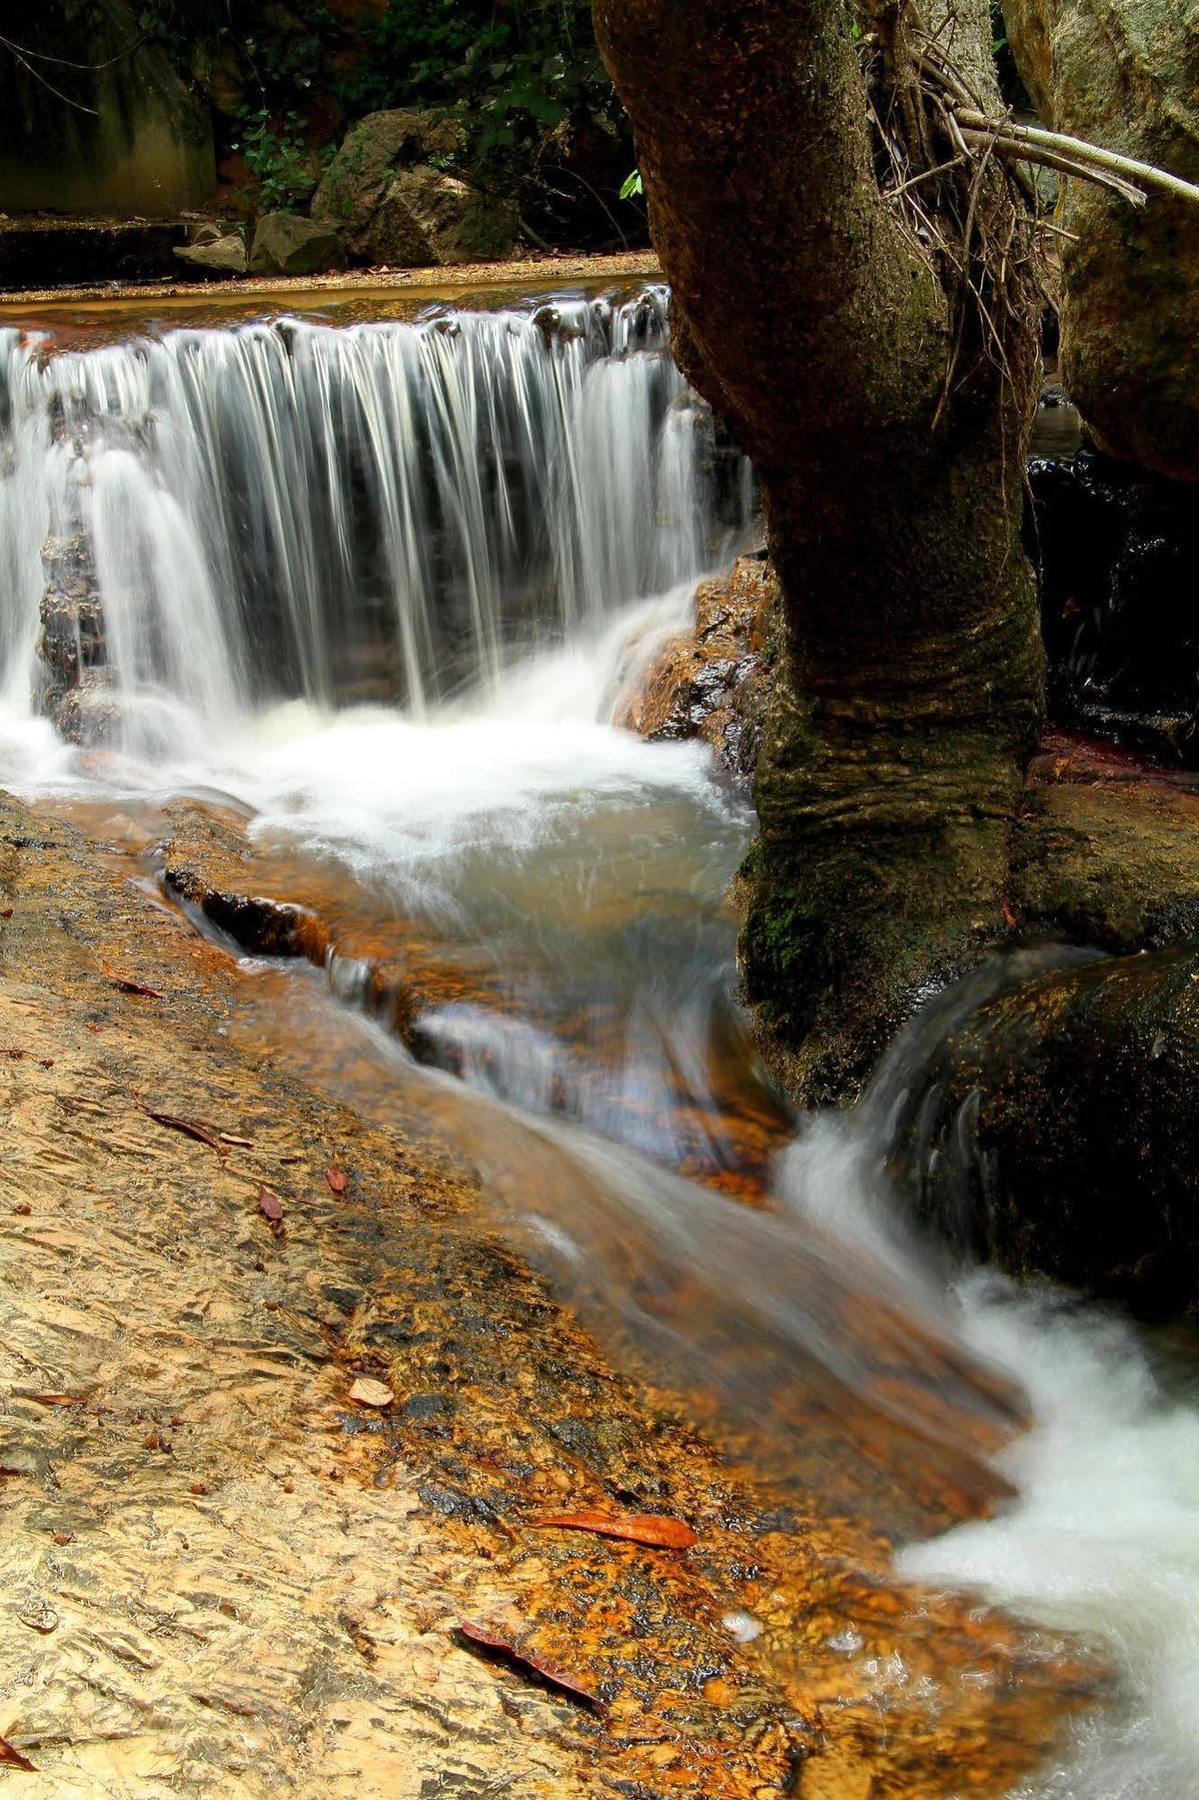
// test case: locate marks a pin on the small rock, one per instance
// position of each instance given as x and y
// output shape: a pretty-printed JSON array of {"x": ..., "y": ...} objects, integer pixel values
[
  {"x": 227, "y": 256},
  {"x": 286, "y": 244}
]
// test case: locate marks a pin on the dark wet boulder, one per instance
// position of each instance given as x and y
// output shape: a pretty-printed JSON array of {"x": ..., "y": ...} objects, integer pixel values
[
  {"x": 1054, "y": 1127},
  {"x": 72, "y": 634},
  {"x": 287, "y": 244},
  {"x": 1118, "y": 547}
]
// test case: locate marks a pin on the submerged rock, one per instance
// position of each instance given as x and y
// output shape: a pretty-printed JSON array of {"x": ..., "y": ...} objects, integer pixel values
[
  {"x": 1055, "y": 1128},
  {"x": 286, "y": 244},
  {"x": 392, "y": 204},
  {"x": 711, "y": 682}
]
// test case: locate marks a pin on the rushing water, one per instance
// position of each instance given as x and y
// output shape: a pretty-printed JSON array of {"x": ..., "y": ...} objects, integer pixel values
[{"x": 481, "y": 524}]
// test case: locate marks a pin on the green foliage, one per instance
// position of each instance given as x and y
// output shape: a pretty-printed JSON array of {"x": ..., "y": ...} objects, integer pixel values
[
  {"x": 511, "y": 71},
  {"x": 278, "y": 158},
  {"x": 178, "y": 23},
  {"x": 632, "y": 185}
]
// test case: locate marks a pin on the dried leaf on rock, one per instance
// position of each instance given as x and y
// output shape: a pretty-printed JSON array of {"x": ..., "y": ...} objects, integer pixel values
[
  {"x": 11, "y": 1758},
  {"x": 369, "y": 1392},
  {"x": 127, "y": 985},
  {"x": 54, "y": 1399},
  {"x": 637, "y": 1528},
  {"x": 491, "y": 1639},
  {"x": 337, "y": 1181},
  {"x": 191, "y": 1128},
  {"x": 241, "y": 1143},
  {"x": 270, "y": 1207}
]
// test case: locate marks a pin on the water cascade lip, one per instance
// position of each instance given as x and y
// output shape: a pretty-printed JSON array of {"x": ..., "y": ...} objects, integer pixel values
[{"x": 380, "y": 512}]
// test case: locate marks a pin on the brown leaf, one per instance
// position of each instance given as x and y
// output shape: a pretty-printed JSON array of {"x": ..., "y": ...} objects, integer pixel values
[
  {"x": 241, "y": 1143},
  {"x": 6, "y": 912},
  {"x": 337, "y": 1181},
  {"x": 128, "y": 986},
  {"x": 51, "y": 1399},
  {"x": 1009, "y": 917},
  {"x": 495, "y": 1640},
  {"x": 634, "y": 1528},
  {"x": 11, "y": 1758},
  {"x": 270, "y": 1208},
  {"x": 369, "y": 1392},
  {"x": 191, "y": 1128}
]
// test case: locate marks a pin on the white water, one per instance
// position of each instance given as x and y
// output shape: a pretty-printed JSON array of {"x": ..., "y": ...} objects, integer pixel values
[
  {"x": 1104, "y": 1538},
  {"x": 264, "y": 506}
]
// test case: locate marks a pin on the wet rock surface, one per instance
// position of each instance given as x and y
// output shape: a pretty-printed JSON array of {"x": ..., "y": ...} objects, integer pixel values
[
  {"x": 240, "y": 1578},
  {"x": 1055, "y": 1128},
  {"x": 711, "y": 682}
]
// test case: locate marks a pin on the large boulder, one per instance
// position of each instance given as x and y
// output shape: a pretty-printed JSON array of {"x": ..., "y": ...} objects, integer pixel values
[
  {"x": 286, "y": 244},
  {"x": 1054, "y": 1126},
  {"x": 392, "y": 201},
  {"x": 1125, "y": 74}
]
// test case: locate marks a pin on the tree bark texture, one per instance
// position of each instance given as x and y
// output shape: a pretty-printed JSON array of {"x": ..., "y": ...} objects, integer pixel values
[{"x": 821, "y": 326}]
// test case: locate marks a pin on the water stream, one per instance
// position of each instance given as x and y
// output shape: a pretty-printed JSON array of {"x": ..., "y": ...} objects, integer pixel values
[{"x": 376, "y": 590}]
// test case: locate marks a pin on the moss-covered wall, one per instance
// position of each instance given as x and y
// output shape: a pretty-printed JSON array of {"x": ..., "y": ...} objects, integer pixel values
[{"x": 143, "y": 146}]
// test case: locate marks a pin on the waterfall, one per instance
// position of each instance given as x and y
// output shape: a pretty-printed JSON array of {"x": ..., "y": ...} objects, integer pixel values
[{"x": 371, "y": 512}]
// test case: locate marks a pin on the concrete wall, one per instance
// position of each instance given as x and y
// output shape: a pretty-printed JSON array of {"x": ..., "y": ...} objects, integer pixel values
[{"x": 145, "y": 145}]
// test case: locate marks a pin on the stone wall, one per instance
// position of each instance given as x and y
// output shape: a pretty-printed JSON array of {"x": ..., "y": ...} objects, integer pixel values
[{"x": 142, "y": 146}]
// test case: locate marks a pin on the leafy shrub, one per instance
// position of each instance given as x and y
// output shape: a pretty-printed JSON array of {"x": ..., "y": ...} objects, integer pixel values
[{"x": 278, "y": 158}]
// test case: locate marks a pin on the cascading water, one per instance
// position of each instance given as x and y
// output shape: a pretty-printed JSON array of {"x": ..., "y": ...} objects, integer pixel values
[
  {"x": 381, "y": 511},
  {"x": 465, "y": 522}
]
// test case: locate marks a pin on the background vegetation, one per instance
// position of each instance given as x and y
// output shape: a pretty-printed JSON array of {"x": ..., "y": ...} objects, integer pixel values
[{"x": 539, "y": 118}]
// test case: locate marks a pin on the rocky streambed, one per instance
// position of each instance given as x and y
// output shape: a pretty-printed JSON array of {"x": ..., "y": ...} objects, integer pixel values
[{"x": 225, "y": 1571}]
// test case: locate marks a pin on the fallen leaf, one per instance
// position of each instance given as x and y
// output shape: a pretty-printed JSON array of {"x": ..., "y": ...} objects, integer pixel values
[
  {"x": 369, "y": 1392},
  {"x": 337, "y": 1181},
  {"x": 227, "y": 1137},
  {"x": 6, "y": 912},
  {"x": 493, "y": 1640},
  {"x": 636, "y": 1528},
  {"x": 50, "y": 1399},
  {"x": 190, "y": 1128},
  {"x": 38, "y": 1615},
  {"x": 64, "y": 1537},
  {"x": 1009, "y": 917},
  {"x": 270, "y": 1208},
  {"x": 23, "y": 1207},
  {"x": 11, "y": 1758},
  {"x": 128, "y": 986}
]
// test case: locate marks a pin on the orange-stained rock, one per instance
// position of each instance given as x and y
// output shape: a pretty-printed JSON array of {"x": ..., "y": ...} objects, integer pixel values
[
  {"x": 257, "y": 1586},
  {"x": 710, "y": 681}
]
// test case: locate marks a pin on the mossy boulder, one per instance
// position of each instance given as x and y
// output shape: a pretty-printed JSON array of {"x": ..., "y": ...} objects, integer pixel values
[{"x": 391, "y": 198}]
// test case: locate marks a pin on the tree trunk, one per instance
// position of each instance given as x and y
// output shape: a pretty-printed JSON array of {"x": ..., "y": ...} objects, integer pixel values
[{"x": 881, "y": 370}]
